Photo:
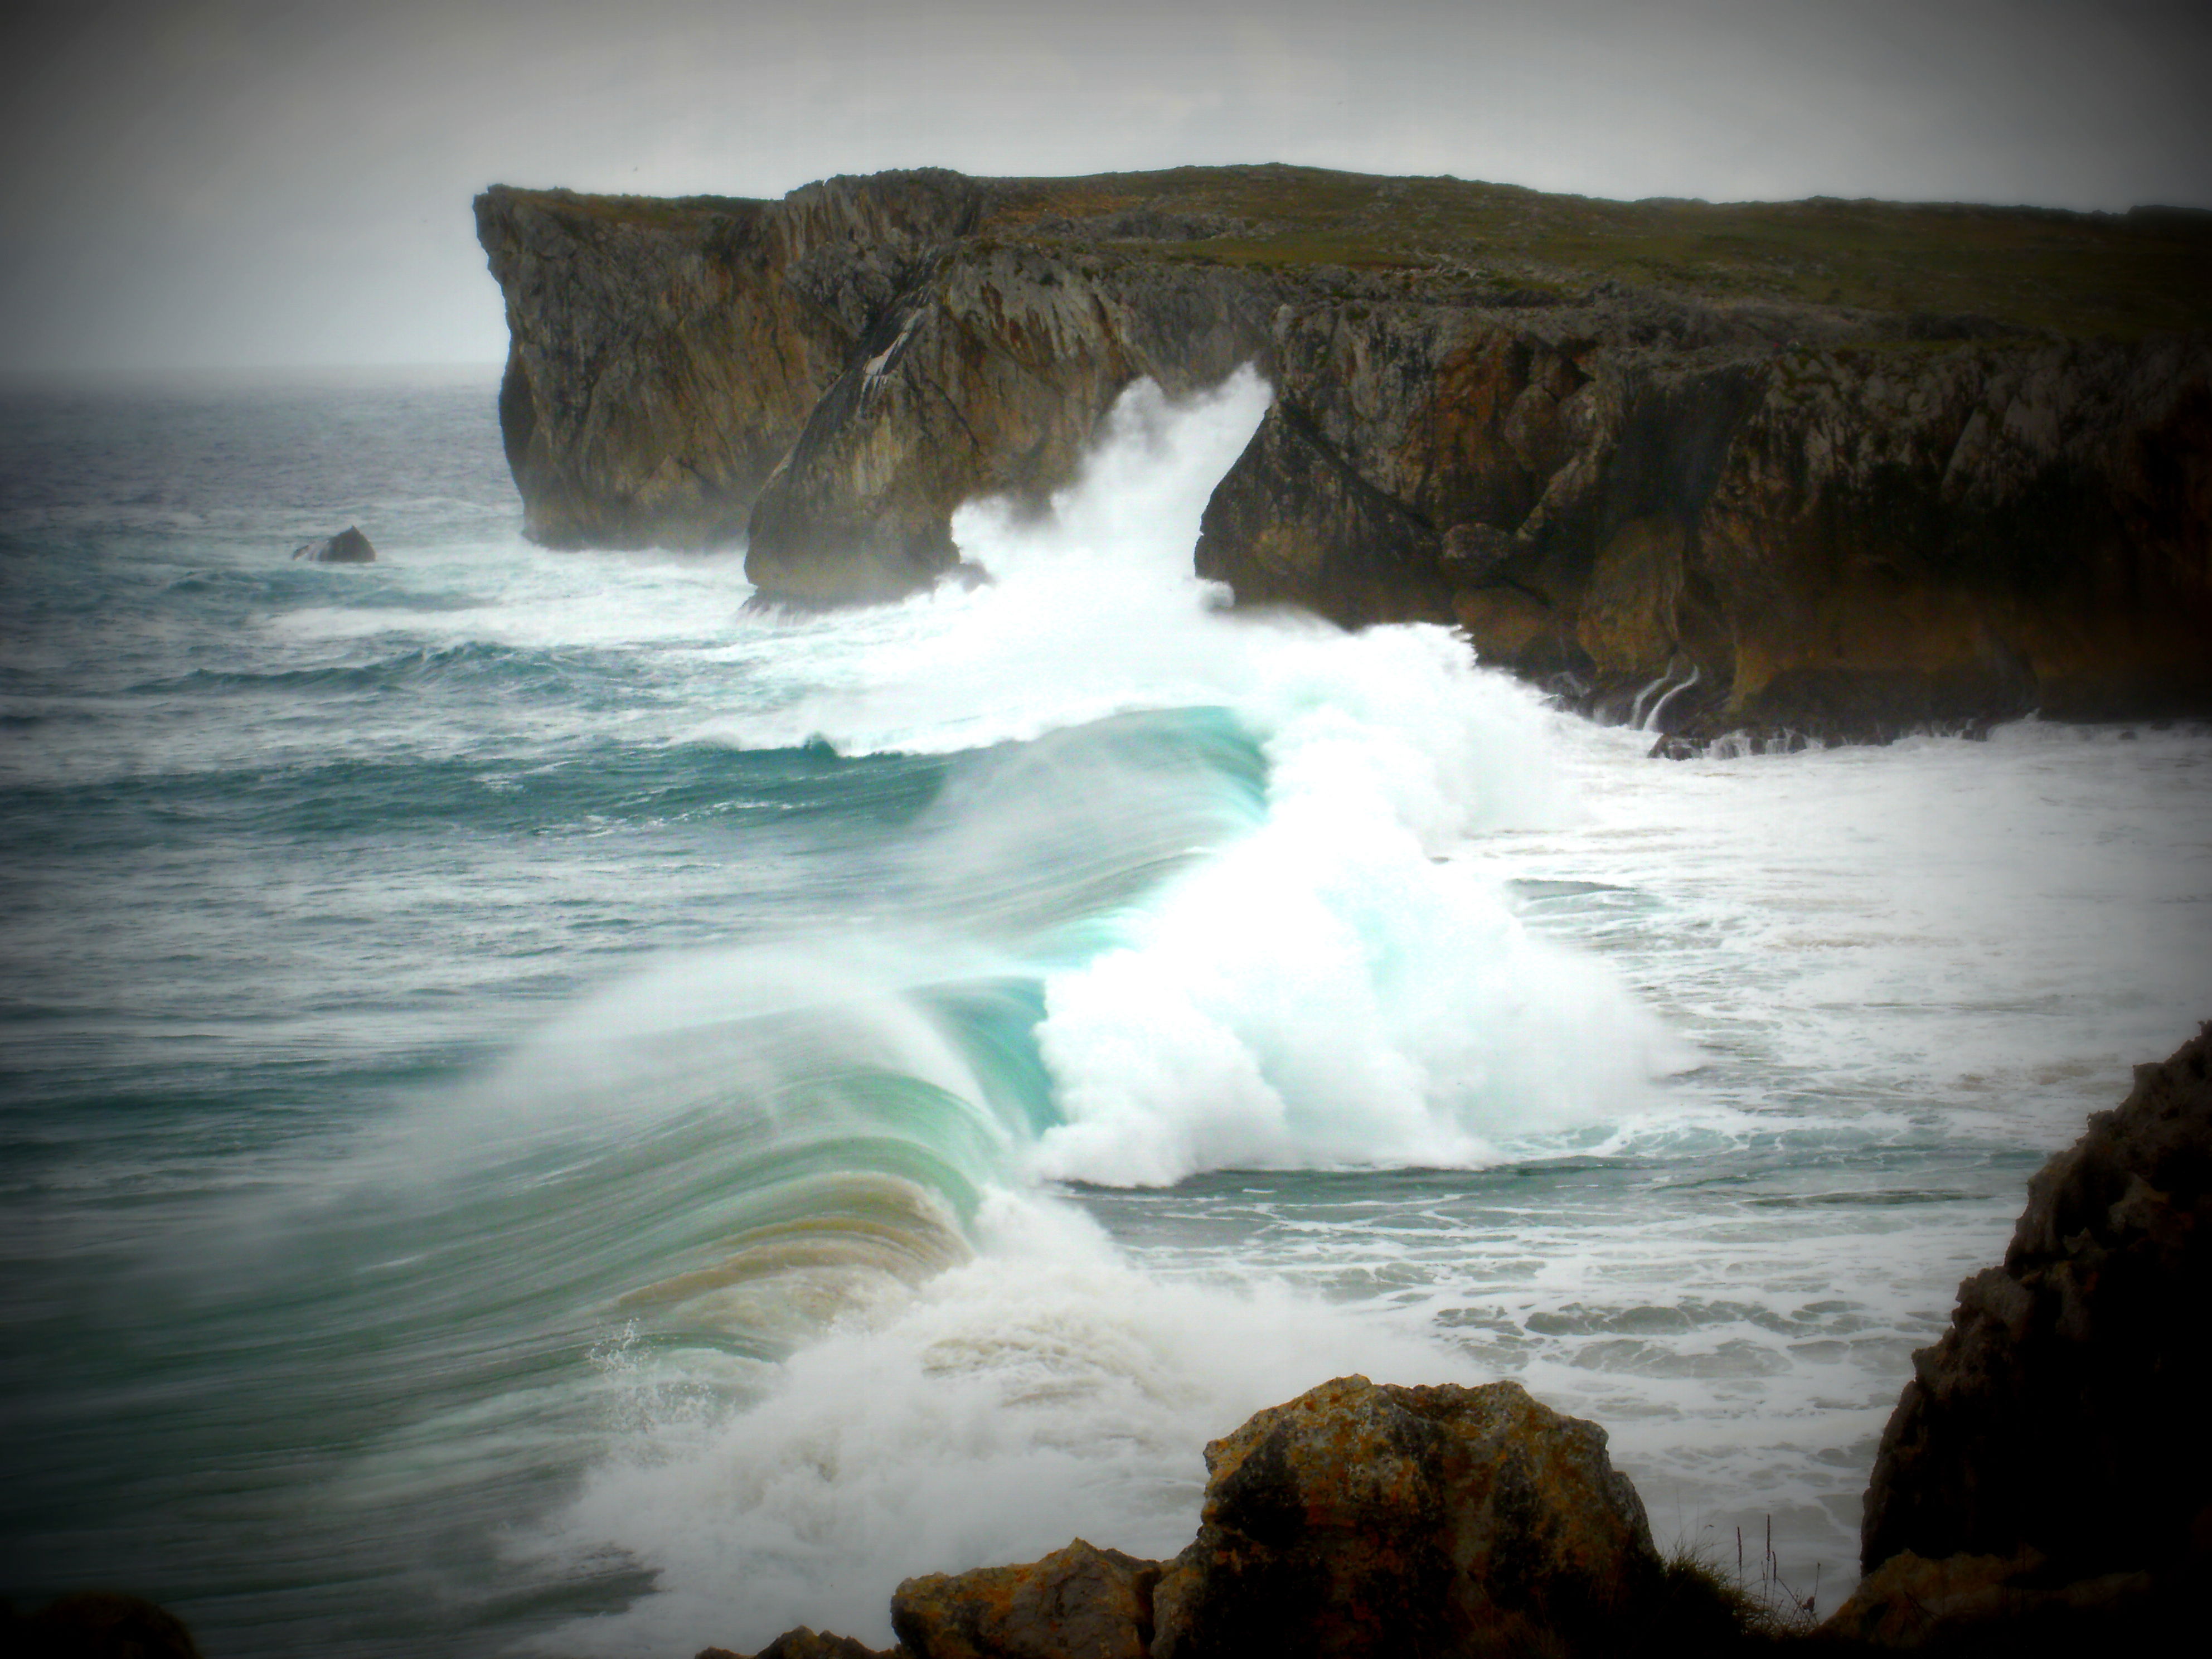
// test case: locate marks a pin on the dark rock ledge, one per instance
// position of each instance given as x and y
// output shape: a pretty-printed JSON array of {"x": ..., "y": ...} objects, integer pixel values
[{"x": 2044, "y": 1489}]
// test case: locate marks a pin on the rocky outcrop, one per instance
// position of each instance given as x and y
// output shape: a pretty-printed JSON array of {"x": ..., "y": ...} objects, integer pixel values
[
  {"x": 802, "y": 1643},
  {"x": 664, "y": 355},
  {"x": 1076, "y": 1604},
  {"x": 2058, "y": 1434},
  {"x": 348, "y": 546},
  {"x": 1783, "y": 460},
  {"x": 1356, "y": 1522},
  {"x": 1846, "y": 537},
  {"x": 1939, "y": 531},
  {"x": 989, "y": 380},
  {"x": 824, "y": 378},
  {"x": 1366, "y": 1520}
]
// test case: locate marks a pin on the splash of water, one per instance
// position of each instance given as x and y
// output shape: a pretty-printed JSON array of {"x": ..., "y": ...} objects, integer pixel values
[{"x": 1240, "y": 947}]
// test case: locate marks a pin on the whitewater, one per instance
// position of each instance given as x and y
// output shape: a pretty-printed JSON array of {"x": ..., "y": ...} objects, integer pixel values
[{"x": 547, "y": 1112}]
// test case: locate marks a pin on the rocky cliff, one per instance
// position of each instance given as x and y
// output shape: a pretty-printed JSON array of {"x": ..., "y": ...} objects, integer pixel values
[
  {"x": 2065, "y": 1410},
  {"x": 2044, "y": 1484},
  {"x": 1842, "y": 467},
  {"x": 664, "y": 355}
]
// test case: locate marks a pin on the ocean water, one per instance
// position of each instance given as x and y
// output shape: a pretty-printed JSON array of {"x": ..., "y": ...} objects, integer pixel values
[{"x": 544, "y": 1113}]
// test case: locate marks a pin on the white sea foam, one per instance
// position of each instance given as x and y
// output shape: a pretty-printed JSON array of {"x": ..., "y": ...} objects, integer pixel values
[
  {"x": 1045, "y": 1391},
  {"x": 1312, "y": 986},
  {"x": 1319, "y": 992},
  {"x": 1324, "y": 992},
  {"x": 1977, "y": 938}
]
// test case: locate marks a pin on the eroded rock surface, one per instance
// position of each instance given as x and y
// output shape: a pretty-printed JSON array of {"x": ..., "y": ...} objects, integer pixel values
[
  {"x": 663, "y": 354},
  {"x": 989, "y": 379},
  {"x": 1850, "y": 537}
]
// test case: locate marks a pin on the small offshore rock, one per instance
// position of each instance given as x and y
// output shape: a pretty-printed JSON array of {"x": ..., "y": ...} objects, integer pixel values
[
  {"x": 1367, "y": 1521},
  {"x": 1079, "y": 1602},
  {"x": 804, "y": 1643},
  {"x": 348, "y": 546}
]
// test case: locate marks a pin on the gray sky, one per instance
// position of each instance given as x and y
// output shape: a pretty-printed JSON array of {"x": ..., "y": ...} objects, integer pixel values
[{"x": 246, "y": 182}]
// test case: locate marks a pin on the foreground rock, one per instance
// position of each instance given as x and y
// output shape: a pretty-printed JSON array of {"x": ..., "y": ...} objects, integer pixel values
[
  {"x": 1363, "y": 1519},
  {"x": 1842, "y": 468},
  {"x": 802, "y": 1643},
  {"x": 1357, "y": 1522},
  {"x": 348, "y": 546},
  {"x": 2053, "y": 1450},
  {"x": 96, "y": 1625},
  {"x": 1076, "y": 1603}
]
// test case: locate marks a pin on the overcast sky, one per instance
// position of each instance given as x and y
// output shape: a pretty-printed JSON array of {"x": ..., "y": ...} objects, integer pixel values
[{"x": 247, "y": 182}]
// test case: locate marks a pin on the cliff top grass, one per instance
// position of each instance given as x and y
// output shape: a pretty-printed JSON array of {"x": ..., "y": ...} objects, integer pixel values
[
  {"x": 2117, "y": 275},
  {"x": 2044, "y": 269}
]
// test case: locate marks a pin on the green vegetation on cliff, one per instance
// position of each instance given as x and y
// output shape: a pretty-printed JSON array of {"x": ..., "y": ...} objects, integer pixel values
[
  {"x": 2077, "y": 275},
  {"x": 2074, "y": 274}
]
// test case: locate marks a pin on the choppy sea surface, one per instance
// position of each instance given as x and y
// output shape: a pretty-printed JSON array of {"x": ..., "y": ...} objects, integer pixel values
[{"x": 543, "y": 1112}]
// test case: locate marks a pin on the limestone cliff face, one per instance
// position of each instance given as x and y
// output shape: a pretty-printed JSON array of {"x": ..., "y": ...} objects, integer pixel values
[
  {"x": 664, "y": 355},
  {"x": 1900, "y": 531},
  {"x": 1841, "y": 537},
  {"x": 1814, "y": 494},
  {"x": 989, "y": 378}
]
